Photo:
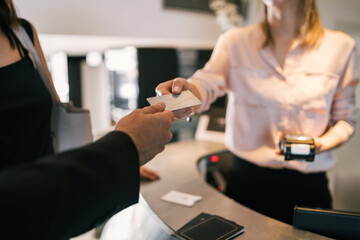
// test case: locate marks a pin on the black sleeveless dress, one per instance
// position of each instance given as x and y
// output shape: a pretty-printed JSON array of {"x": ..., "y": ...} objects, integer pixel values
[{"x": 25, "y": 109}]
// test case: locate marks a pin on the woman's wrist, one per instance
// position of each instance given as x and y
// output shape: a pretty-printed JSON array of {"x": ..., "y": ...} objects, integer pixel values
[{"x": 319, "y": 147}]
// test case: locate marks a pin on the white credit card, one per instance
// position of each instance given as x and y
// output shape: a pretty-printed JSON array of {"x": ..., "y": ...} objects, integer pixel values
[
  {"x": 176, "y": 101},
  {"x": 181, "y": 198}
]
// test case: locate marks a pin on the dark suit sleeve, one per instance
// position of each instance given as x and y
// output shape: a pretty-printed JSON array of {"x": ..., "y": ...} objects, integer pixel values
[{"x": 65, "y": 195}]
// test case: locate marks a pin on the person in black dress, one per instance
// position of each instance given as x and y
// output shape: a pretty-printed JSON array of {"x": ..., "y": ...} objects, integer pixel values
[
  {"x": 61, "y": 196},
  {"x": 24, "y": 97},
  {"x": 25, "y": 103}
]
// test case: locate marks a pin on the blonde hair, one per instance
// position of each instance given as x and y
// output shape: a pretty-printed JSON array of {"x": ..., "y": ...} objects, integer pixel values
[{"x": 312, "y": 27}]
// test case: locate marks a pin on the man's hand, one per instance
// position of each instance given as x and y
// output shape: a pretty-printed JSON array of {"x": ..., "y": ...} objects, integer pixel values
[
  {"x": 148, "y": 174},
  {"x": 149, "y": 128}
]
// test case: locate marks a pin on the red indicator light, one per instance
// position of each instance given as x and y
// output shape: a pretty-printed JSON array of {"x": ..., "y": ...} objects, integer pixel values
[
  {"x": 214, "y": 158},
  {"x": 220, "y": 188}
]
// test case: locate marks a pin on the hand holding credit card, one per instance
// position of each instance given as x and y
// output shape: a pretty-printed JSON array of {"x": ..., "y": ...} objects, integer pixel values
[{"x": 176, "y": 101}]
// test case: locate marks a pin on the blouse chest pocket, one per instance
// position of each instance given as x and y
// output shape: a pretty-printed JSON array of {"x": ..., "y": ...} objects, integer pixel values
[
  {"x": 316, "y": 93},
  {"x": 316, "y": 90}
]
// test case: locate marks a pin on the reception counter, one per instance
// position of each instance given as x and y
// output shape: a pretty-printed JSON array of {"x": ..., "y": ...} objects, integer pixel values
[{"x": 177, "y": 166}]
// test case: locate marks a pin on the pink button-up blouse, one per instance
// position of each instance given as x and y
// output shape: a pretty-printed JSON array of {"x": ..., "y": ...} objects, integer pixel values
[{"x": 313, "y": 91}]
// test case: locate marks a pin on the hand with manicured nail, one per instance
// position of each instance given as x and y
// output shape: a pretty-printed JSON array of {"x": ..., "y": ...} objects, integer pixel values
[
  {"x": 176, "y": 86},
  {"x": 148, "y": 174}
]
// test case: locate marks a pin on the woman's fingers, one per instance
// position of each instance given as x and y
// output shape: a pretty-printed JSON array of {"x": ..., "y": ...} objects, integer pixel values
[
  {"x": 148, "y": 174},
  {"x": 175, "y": 86}
]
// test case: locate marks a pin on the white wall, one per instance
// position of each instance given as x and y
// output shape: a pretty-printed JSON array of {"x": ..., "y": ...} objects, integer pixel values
[
  {"x": 134, "y": 18},
  {"x": 341, "y": 15}
]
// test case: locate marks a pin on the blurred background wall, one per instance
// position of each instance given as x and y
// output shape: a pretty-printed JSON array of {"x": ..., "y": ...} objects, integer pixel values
[{"x": 134, "y": 18}]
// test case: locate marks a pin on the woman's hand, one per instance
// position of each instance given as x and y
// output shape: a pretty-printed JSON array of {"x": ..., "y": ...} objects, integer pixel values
[
  {"x": 318, "y": 145},
  {"x": 278, "y": 139},
  {"x": 148, "y": 174},
  {"x": 175, "y": 86},
  {"x": 149, "y": 129}
]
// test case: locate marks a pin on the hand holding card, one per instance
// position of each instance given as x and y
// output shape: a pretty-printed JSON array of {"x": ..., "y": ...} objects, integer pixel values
[{"x": 174, "y": 102}]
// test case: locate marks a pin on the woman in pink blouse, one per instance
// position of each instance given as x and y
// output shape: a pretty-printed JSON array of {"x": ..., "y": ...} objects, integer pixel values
[{"x": 286, "y": 74}]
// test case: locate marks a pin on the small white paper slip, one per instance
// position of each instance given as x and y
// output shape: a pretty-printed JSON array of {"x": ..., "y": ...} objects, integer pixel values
[
  {"x": 176, "y": 101},
  {"x": 181, "y": 198}
]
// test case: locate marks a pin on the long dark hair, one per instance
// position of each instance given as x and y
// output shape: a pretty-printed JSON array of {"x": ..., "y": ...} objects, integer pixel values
[{"x": 8, "y": 19}]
